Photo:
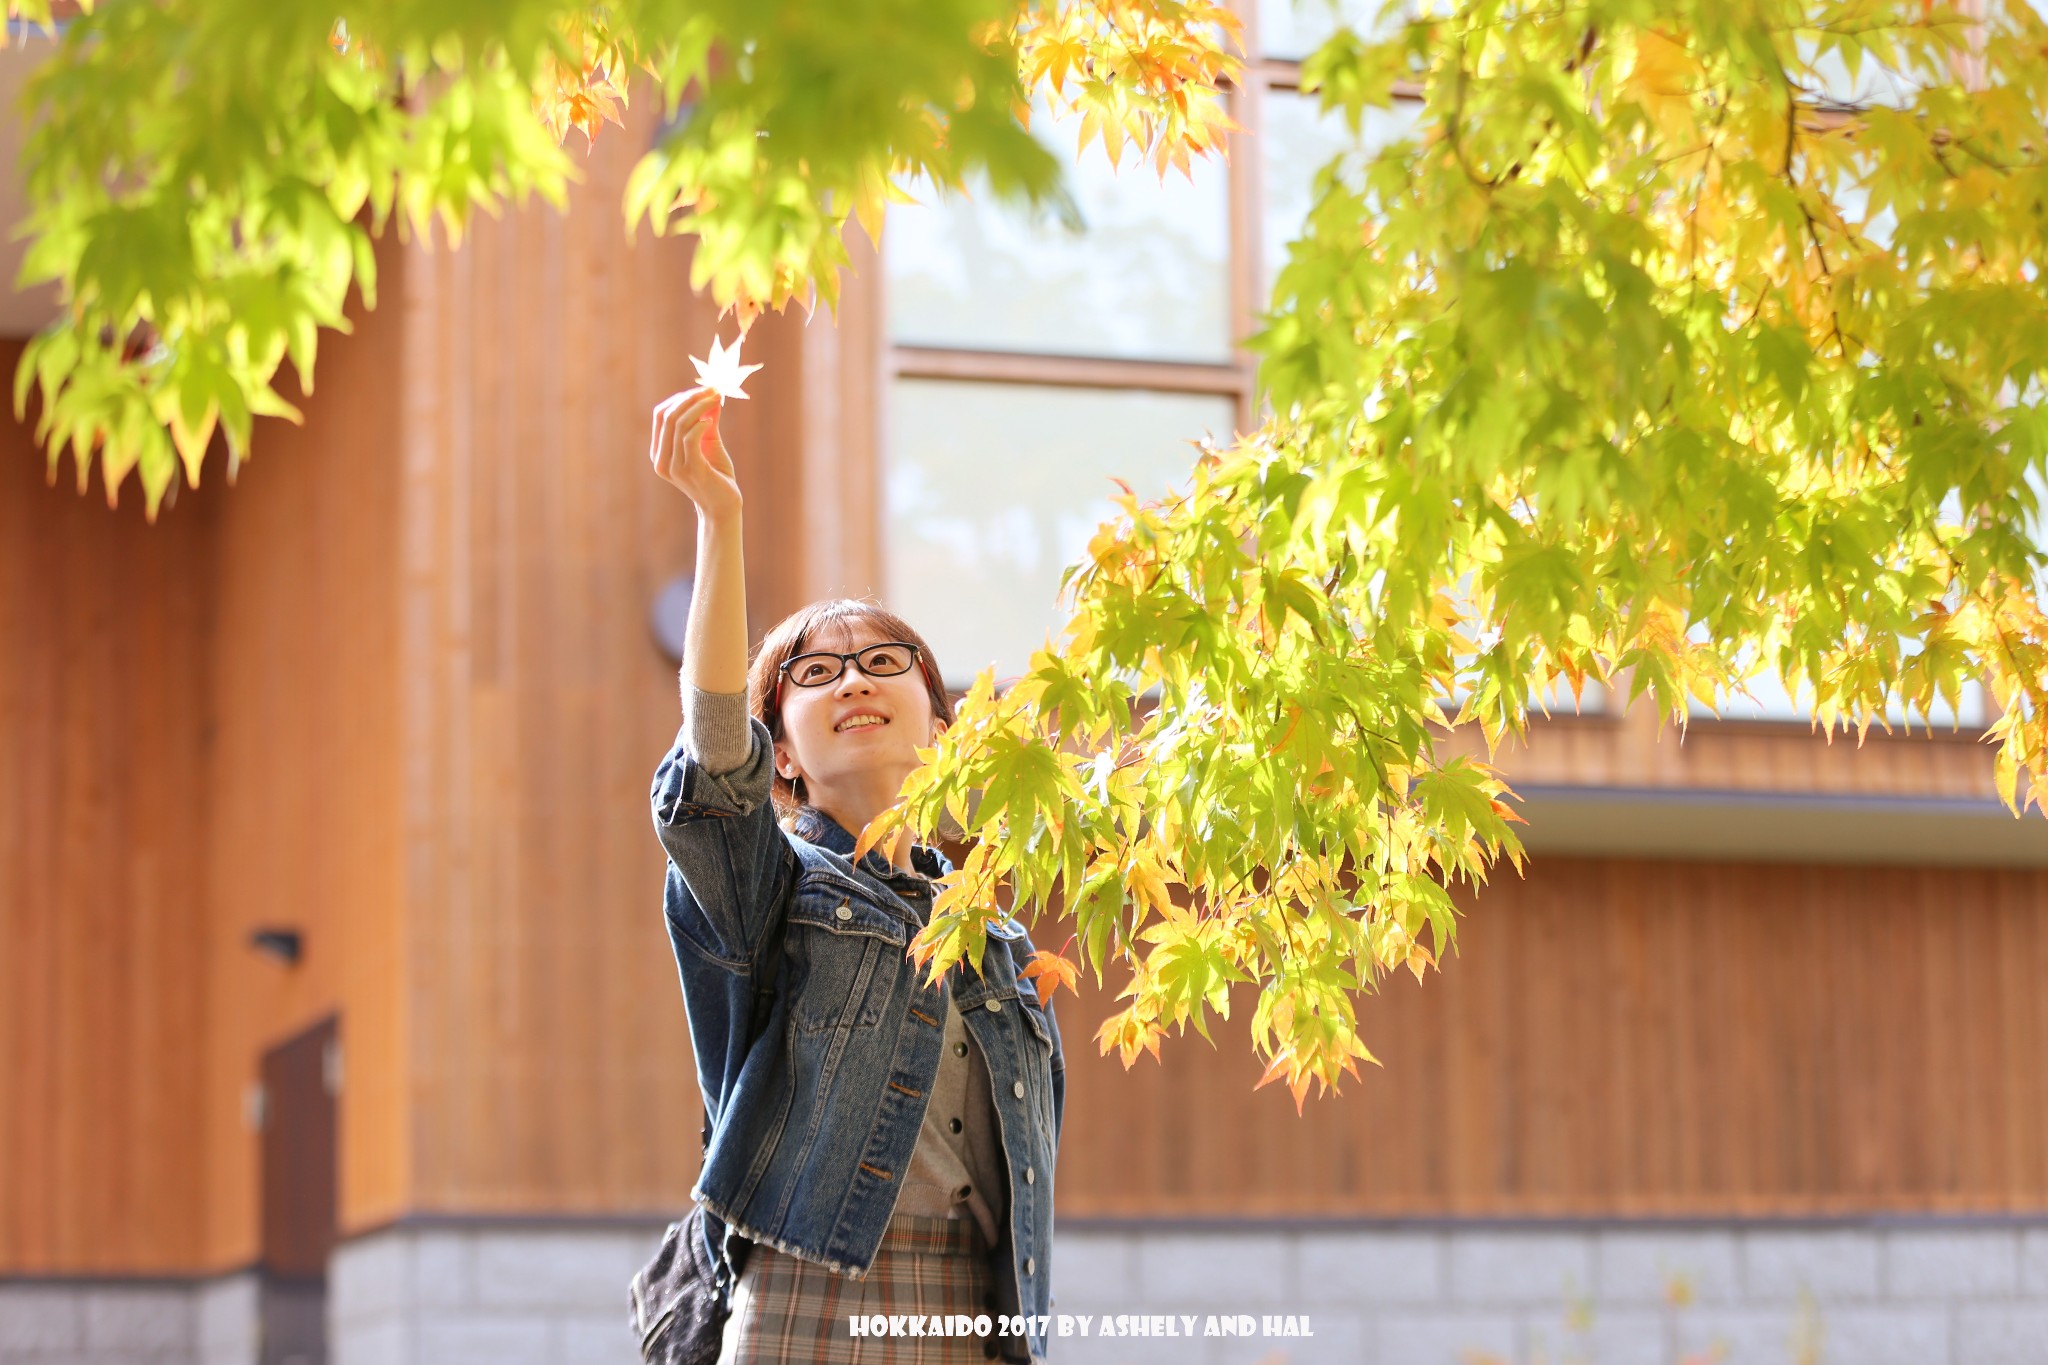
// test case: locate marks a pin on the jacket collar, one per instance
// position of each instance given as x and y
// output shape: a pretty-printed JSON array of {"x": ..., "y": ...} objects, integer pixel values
[{"x": 815, "y": 827}]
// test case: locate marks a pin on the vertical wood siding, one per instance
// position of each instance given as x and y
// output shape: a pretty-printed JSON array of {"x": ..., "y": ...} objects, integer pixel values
[
  {"x": 104, "y": 624},
  {"x": 1629, "y": 1039},
  {"x": 197, "y": 737},
  {"x": 306, "y": 775}
]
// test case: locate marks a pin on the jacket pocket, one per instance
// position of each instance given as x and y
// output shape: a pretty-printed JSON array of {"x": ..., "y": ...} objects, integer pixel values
[
  {"x": 847, "y": 953},
  {"x": 1034, "y": 1015},
  {"x": 1037, "y": 1059}
]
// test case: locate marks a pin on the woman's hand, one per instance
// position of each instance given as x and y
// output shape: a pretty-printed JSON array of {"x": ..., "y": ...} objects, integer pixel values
[{"x": 687, "y": 451}]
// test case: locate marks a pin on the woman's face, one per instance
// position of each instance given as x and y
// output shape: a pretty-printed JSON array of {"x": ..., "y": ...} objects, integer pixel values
[{"x": 855, "y": 732}]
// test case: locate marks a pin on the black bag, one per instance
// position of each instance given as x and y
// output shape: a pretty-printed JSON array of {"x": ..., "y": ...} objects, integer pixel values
[{"x": 679, "y": 1299}]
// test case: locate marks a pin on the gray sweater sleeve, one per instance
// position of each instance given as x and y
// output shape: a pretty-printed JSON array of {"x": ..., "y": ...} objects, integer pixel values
[{"x": 715, "y": 729}]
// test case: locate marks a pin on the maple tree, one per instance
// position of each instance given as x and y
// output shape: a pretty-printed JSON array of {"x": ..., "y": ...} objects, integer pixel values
[{"x": 1646, "y": 358}]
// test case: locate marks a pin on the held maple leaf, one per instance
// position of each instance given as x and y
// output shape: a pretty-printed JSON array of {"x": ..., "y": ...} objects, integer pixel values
[{"x": 722, "y": 373}]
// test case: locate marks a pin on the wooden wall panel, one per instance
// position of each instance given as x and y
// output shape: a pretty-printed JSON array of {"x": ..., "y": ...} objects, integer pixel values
[
  {"x": 197, "y": 737},
  {"x": 1629, "y": 1039},
  {"x": 306, "y": 774},
  {"x": 104, "y": 628},
  {"x": 549, "y": 1064}
]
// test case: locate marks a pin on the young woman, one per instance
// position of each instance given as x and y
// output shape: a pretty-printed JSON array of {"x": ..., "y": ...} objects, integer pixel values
[{"x": 877, "y": 1146}]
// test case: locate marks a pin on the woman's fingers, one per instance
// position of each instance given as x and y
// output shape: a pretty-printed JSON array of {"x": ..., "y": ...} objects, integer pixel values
[
  {"x": 696, "y": 419},
  {"x": 687, "y": 450},
  {"x": 695, "y": 403},
  {"x": 673, "y": 418},
  {"x": 670, "y": 439},
  {"x": 660, "y": 448},
  {"x": 707, "y": 433}
]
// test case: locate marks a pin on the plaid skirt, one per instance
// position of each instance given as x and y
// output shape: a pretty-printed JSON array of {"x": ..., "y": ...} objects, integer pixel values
[{"x": 787, "y": 1311}]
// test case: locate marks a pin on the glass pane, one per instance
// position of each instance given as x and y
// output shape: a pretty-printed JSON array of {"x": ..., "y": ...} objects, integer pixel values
[
  {"x": 1147, "y": 279},
  {"x": 1299, "y": 140},
  {"x": 1291, "y": 29},
  {"x": 993, "y": 489}
]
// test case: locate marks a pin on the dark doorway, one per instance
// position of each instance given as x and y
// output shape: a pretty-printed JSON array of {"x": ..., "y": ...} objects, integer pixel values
[{"x": 301, "y": 1080}]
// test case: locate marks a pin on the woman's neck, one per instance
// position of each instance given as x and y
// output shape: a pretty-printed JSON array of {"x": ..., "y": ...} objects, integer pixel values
[{"x": 856, "y": 810}]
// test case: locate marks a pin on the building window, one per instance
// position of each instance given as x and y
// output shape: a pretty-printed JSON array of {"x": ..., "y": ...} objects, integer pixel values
[
  {"x": 993, "y": 488},
  {"x": 1148, "y": 278},
  {"x": 1028, "y": 367}
]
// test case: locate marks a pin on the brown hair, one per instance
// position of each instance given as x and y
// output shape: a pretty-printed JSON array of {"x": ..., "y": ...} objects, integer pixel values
[{"x": 787, "y": 640}]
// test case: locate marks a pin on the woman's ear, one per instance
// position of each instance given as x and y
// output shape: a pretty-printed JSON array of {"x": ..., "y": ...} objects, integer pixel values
[{"x": 785, "y": 763}]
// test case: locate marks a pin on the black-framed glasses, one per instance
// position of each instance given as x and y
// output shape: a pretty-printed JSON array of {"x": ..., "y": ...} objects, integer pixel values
[{"x": 822, "y": 668}]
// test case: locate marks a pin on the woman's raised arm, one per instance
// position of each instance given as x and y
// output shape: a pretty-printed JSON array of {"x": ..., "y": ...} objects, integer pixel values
[
  {"x": 712, "y": 808},
  {"x": 687, "y": 451}
]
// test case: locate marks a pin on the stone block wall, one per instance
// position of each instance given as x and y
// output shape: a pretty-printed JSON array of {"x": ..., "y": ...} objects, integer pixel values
[
  {"x": 1906, "y": 1295},
  {"x": 515, "y": 1294},
  {"x": 227, "y": 1315},
  {"x": 157, "y": 1322},
  {"x": 59, "y": 1323}
]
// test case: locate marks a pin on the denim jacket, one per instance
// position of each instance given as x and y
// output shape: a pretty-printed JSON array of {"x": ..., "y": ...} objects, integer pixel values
[{"x": 816, "y": 1046}]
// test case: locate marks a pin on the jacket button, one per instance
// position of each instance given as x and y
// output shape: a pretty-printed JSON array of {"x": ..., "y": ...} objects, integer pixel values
[
  {"x": 844, "y": 912},
  {"x": 1031, "y": 1175},
  {"x": 995, "y": 1007},
  {"x": 959, "y": 1049},
  {"x": 1030, "y": 1265},
  {"x": 953, "y": 1124},
  {"x": 1017, "y": 1089}
]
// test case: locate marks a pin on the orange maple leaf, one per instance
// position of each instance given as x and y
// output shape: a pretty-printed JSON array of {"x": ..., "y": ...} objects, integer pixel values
[
  {"x": 1286, "y": 1066},
  {"x": 1050, "y": 966},
  {"x": 592, "y": 107}
]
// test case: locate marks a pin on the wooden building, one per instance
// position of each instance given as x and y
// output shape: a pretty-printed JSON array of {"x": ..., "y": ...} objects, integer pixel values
[{"x": 330, "y": 949}]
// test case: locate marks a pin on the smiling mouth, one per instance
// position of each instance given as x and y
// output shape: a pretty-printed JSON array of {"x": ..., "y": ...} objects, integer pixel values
[{"x": 859, "y": 723}]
